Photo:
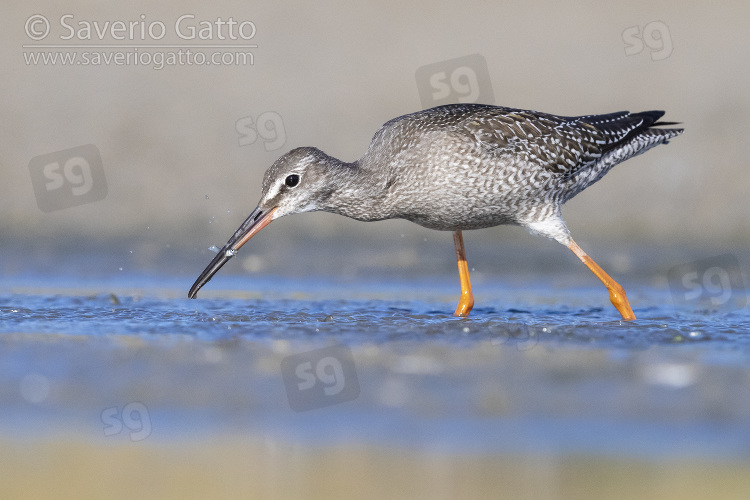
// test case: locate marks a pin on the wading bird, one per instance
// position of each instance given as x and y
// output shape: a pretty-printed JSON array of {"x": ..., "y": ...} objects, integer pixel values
[{"x": 460, "y": 167}]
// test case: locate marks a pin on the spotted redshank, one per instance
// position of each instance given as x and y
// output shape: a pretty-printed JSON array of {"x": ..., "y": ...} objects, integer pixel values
[{"x": 460, "y": 167}]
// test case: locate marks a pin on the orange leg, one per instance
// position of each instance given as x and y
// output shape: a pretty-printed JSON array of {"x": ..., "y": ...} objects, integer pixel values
[
  {"x": 466, "y": 301},
  {"x": 616, "y": 293}
]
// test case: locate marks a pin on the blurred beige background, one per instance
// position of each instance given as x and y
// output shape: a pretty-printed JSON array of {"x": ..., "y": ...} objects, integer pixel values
[{"x": 333, "y": 72}]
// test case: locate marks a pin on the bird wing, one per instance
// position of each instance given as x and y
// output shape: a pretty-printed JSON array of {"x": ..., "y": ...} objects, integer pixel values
[{"x": 559, "y": 144}]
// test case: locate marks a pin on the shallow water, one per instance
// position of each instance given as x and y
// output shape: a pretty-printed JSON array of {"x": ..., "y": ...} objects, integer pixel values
[{"x": 534, "y": 369}]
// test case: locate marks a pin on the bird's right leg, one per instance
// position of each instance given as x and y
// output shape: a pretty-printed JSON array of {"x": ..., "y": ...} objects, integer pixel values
[
  {"x": 554, "y": 227},
  {"x": 616, "y": 293},
  {"x": 466, "y": 301}
]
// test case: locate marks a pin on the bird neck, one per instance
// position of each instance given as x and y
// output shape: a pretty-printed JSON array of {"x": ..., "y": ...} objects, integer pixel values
[{"x": 356, "y": 193}]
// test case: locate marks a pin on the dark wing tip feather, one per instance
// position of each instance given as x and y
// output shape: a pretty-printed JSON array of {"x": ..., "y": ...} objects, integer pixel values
[
  {"x": 649, "y": 117},
  {"x": 621, "y": 127}
]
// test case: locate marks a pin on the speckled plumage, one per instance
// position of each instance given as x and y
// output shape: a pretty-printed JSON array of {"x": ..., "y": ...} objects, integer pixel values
[
  {"x": 467, "y": 166},
  {"x": 457, "y": 167}
]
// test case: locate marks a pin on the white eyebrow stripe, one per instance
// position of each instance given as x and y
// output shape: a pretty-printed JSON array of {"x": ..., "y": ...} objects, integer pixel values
[{"x": 274, "y": 191}]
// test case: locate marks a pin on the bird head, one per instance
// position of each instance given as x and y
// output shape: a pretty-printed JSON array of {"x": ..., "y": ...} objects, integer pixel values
[{"x": 299, "y": 181}]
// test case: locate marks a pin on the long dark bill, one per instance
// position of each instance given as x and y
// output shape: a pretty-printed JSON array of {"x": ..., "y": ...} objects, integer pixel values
[{"x": 254, "y": 223}]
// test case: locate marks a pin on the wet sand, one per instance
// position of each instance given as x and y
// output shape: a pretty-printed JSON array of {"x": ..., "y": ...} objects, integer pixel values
[{"x": 241, "y": 467}]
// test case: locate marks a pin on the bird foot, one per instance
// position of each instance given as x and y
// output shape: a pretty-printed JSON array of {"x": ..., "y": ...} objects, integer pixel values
[
  {"x": 465, "y": 305},
  {"x": 620, "y": 301}
]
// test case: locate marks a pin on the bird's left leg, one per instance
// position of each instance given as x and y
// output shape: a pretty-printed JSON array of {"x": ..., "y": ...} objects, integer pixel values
[{"x": 466, "y": 301}]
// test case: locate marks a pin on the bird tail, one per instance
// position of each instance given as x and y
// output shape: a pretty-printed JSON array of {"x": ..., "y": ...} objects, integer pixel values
[
  {"x": 651, "y": 120},
  {"x": 626, "y": 135},
  {"x": 643, "y": 132}
]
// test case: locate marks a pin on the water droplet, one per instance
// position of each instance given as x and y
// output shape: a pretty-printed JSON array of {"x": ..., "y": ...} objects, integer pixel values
[
  {"x": 230, "y": 253},
  {"x": 214, "y": 248}
]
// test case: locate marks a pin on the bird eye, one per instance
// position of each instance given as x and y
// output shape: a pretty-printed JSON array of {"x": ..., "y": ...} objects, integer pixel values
[{"x": 292, "y": 180}]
